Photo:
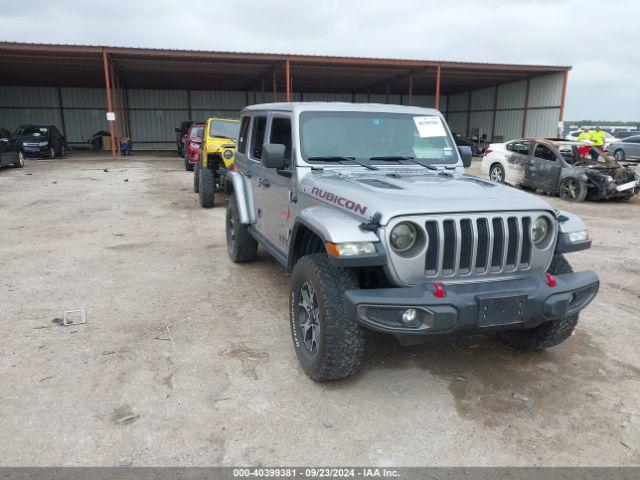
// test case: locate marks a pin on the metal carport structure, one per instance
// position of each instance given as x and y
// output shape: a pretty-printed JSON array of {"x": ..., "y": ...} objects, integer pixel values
[{"x": 151, "y": 90}]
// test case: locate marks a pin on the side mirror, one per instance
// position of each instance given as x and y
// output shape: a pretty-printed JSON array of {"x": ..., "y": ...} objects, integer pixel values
[
  {"x": 273, "y": 155},
  {"x": 466, "y": 154}
]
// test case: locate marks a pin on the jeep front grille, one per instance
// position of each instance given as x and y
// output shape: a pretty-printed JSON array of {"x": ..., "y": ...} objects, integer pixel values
[{"x": 463, "y": 246}]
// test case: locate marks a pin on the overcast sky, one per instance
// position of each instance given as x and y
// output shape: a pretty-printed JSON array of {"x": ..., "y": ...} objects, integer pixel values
[{"x": 598, "y": 38}]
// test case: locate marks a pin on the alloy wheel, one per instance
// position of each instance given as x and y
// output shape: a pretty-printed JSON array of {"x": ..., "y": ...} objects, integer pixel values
[
  {"x": 496, "y": 174},
  {"x": 569, "y": 189},
  {"x": 21, "y": 158},
  {"x": 308, "y": 317}
]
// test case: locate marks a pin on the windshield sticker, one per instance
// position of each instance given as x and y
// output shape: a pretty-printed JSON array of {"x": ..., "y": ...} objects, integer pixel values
[
  {"x": 447, "y": 152},
  {"x": 375, "y": 121},
  {"x": 430, "y": 126},
  {"x": 338, "y": 200}
]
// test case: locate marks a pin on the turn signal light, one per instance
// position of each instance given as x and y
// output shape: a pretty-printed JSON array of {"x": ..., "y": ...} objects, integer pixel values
[
  {"x": 438, "y": 290},
  {"x": 550, "y": 280}
]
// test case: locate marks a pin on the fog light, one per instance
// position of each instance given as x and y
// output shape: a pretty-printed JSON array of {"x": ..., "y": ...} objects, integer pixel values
[{"x": 410, "y": 316}]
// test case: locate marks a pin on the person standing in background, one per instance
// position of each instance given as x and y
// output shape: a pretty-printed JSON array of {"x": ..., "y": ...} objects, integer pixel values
[
  {"x": 585, "y": 136},
  {"x": 597, "y": 139}
]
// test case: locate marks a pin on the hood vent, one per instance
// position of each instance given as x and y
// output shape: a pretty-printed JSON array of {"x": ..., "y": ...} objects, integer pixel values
[{"x": 374, "y": 182}]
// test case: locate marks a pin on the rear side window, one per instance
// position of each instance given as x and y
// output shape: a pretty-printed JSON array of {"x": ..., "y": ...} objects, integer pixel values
[
  {"x": 242, "y": 135},
  {"x": 519, "y": 146},
  {"x": 257, "y": 137},
  {"x": 281, "y": 134}
]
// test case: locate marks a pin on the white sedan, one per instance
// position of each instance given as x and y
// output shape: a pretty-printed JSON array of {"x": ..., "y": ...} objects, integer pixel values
[
  {"x": 496, "y": 162},
  {"x": 608, "y": 138}
]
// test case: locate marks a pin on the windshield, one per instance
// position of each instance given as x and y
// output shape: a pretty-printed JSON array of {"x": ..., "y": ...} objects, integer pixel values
[
  {"x": 196, "y": 132},
  {"x": 31, "y": 130},
  {"x": 222, "y": 129},
  {"x": 365, "y": 135}
]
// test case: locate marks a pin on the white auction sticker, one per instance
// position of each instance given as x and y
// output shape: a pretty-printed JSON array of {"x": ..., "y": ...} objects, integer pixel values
[{"x": 430, "y": 126}]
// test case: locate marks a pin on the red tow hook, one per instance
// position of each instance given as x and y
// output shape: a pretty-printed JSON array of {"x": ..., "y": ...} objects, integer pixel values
[
  {"x": 438, "y": 290},
  {"x": 550, "y": 280}
]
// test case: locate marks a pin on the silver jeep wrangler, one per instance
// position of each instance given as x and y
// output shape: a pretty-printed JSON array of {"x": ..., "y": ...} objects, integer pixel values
[{"x": 370, "y": 209}]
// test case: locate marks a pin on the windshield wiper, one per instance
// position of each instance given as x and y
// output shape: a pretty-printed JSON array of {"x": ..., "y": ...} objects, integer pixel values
[
  {"x": 222, "y": 136},
  {"x": 411, "y": 159},
  {"x": 340, "y": 159}
]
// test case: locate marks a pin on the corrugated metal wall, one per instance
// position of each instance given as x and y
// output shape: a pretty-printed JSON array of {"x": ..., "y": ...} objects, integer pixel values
[
  {"x": 152, "y": 115},
  {"x": 22, "y": 105},
  {"x": 472, "y": 113},
  {"x": 84, "y": 112}
]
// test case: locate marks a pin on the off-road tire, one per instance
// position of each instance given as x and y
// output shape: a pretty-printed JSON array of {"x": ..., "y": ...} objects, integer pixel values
[
  {"x": 581, "y": 190},
  {"x": 619, "y": 155},
  {"x": 341, "y": 345},
  {"x": 548, "y": 334},
  {"x": 496, "y": 173},
  {"x": 196, "y": 177},
  {"x": 242, "y": 247},
  {"x": 187, "y": 164},
  {"x": 19, "y": 163},
  {"x": 206, "y": 188}
]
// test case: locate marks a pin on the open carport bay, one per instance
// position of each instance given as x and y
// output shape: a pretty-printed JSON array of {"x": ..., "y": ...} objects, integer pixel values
[{"x": 186, "y": 358}]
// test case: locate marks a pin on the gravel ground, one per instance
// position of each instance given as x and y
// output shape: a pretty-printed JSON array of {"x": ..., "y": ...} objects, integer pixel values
[{"x": 186, "y": 358}]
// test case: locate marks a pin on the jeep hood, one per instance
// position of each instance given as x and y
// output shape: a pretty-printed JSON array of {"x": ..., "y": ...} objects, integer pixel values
[{"x": 366, "y": 193}]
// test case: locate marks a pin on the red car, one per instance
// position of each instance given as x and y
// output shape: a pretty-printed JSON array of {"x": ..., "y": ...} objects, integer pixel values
[{"x": 193, "y": 145}]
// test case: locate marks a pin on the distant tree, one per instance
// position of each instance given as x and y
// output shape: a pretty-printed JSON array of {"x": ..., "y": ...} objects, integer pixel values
[{"x": 603, "y": 122}]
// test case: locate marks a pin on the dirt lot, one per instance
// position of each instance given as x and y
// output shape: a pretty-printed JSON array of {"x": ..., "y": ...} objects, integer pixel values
[{"x": 186, "y": 358}]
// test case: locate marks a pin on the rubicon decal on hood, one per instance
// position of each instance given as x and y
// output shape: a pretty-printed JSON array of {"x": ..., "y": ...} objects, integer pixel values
[{"x": 338, "y": 200}]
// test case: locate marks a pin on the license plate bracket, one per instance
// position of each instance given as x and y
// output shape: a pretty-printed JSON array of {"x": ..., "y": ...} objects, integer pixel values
[{"x": 501, "y": 309}]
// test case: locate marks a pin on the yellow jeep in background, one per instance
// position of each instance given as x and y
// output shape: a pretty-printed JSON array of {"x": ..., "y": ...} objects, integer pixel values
[{"x": 217, "y": 155}]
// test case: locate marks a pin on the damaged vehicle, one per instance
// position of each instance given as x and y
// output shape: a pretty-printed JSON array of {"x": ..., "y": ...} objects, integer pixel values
[
  {"x": 368, "y": 206},
  {"x": 556, "y": 167}
]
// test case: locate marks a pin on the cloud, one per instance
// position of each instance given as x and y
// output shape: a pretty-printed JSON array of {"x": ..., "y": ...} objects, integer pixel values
[{"x": 597, "y": 38}]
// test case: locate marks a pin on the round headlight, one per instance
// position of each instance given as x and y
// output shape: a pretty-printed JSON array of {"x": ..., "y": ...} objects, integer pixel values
[
  {"x": 403, "y": 237},
  {"x": 227, "y": 154},
  {"x": 540, "y": 229}
]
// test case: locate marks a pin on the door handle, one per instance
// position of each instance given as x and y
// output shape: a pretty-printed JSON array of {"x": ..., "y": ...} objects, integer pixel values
[{"x": 263, "y": 182}]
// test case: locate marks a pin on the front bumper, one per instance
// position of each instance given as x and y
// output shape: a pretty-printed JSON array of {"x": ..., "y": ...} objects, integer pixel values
[
  {"x": 35, "y": 151},
  {"x": 614, "y": 190},
  {"x": 193, "y": 155},
  {"x": 473, "y": 307}
]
